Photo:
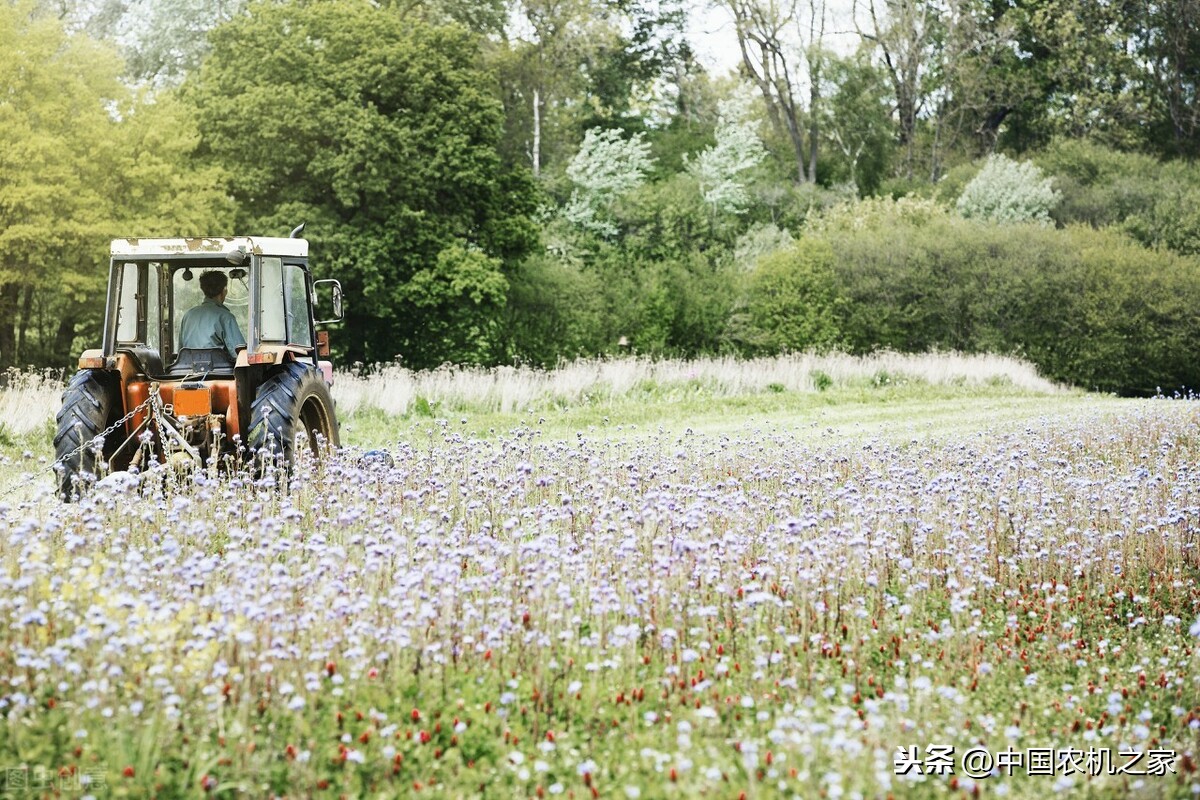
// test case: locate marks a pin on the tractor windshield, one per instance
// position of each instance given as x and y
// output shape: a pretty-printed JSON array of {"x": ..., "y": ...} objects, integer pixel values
[{"x": 186, "y": 294}]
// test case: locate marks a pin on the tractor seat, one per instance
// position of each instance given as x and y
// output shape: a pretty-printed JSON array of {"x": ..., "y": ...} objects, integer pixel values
[{"x": 201, "y": 360}]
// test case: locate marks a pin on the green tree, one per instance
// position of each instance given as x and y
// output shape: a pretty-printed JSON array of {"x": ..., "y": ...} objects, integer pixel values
[
  {"x": 83, "y": 161},
  {"x": 382, "y": 134},
  {"x": 856, "y": 119},
  {"x": 720, "y": 169}
]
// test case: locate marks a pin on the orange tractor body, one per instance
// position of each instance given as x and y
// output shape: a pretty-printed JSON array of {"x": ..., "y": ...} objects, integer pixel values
[{"x": 149, "y": 397}]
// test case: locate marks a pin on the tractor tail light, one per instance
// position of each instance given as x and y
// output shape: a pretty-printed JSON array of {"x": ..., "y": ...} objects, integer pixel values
[
  {"x": 91, "y": 362},
  {"x": 261, "y": 358}
]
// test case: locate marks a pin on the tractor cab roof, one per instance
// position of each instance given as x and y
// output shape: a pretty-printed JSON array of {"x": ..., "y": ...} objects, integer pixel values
[{"x": 208, "y": 247}]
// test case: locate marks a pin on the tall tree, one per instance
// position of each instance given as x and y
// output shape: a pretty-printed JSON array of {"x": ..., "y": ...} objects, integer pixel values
[
  {"x": 83, "y": 161},
  {"x": 857, "y": 119},
  {"x": 552, "y": 47},
  {"x": 780, "y": 44},
  {"x": 572, "y": 65},
  {"x": 907, "y": 33},
  {"x": 382, "y": 134},
  {"x": 165, "y": 40},
  {"x": 1171, "y": 46}
]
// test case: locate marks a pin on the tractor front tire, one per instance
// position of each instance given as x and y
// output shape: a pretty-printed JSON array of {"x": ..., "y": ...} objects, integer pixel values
[
  {"x": 90, "y": 404},
  {"x": 292, "y": 400}
]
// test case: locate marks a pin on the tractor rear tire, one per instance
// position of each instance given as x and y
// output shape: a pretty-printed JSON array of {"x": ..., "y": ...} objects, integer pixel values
[
  {"x": 294, "y": 399},
  {"x": 90, "y": 404}
]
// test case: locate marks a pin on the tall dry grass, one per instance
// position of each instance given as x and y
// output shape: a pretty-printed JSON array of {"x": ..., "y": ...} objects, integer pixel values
[
  {"x": 395, "y": 390},
  {"x": 30, "y": 399}
]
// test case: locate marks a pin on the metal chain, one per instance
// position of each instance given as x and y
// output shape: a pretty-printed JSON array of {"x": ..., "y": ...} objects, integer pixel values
[{"x": 22, "y": 484}]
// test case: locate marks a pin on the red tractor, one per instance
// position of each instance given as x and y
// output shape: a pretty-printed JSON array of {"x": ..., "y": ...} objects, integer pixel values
[{"x": 145, "y": 399}]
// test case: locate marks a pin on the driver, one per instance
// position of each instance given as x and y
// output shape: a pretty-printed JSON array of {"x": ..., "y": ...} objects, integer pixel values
[{"x": 211, "y": 324}]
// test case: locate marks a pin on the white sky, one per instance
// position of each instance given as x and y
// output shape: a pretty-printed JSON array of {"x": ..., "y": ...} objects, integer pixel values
[{"x": 710, "y": 31}]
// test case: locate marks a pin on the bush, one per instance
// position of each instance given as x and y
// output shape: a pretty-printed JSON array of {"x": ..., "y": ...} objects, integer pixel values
[
  {"x": 1155, "y": 202},
  {"x": 791, "y": 302},
  {"x": 1008, "y": 191},
  {"x": 1091, "y": 308}
]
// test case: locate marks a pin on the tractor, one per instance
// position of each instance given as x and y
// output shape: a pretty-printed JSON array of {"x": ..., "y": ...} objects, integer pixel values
[{"x": 142, "y": 400}]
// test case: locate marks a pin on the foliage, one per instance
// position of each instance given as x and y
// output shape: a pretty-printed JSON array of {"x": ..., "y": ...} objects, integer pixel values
[
  {"x": 719, "y": 169},
  {"x": 606, "y": 167},
  {"x": 791, "y": 301},
  {"x": 855, "y": 118},
  {"x": 84, "y": 160},
  {"x": 1154, "y": 201},
  {"x": 1090, "y": 308},
  {"x": 555, "y": 309},
  {"x": 1008, "y": 191},
  {"x": 758, "y": 241},
  {"x": 417, "y": 140},
  {"x": 166, "y": 40},
  {"x": 388, "y": 151},
  {"x": 462, "y": 294}
]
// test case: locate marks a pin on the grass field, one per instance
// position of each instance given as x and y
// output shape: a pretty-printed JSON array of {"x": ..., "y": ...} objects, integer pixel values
[{"x": 682, "y": 588}]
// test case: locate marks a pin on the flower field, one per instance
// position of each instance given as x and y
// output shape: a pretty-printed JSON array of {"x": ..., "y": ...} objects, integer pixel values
[{"x": 621, "y": 614}]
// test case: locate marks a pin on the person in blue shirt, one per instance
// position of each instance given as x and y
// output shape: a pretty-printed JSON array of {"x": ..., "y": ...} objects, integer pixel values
[{"x": 211, "y": 324}]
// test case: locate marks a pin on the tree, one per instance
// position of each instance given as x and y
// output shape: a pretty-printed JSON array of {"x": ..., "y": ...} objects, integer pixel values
[
  {"x": 163, "y": 40},
  {"x": 857, "y": 120},
  {"x": 84, "y": 161},
  {"x": 382, "y": 134},
  {"x": 606, "y": 167},
  {"x": 572, "y": 65},
  {"x": 780, "y": 44},
  {"x": 1081, "y": 62},
  {"x": 720, "y": 169},
  {"x": 1171, "y": 47},
  {"x": 908, "y": 35},
  {"x": 553, "y": 50},
  {"x": 791, "y": 301}
]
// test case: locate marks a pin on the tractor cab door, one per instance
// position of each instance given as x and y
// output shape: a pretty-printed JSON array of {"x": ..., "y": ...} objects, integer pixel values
[
  {"x": 284, "y": 307},
  {"x": 133, "y": 321}
]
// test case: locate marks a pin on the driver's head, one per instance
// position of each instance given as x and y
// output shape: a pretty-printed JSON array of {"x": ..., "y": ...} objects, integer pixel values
[{"x": 213, "y": 282}]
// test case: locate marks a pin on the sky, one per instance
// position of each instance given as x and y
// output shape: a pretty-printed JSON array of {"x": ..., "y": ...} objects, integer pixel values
[{"x": 710, "y": 29}]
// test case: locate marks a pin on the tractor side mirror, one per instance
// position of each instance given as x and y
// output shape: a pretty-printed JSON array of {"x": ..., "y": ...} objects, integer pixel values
[{"x": 335, "y": 291}]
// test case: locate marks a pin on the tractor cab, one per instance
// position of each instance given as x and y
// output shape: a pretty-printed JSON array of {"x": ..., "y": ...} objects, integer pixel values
[
  {"x": 270, "y": 292},
  {"x": 196, "y": 397}
]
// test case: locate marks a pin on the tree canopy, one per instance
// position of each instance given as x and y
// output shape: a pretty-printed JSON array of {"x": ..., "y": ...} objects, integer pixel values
[
  {"x": 85, "y": 159},
  {"x": 388, "y": 151}
]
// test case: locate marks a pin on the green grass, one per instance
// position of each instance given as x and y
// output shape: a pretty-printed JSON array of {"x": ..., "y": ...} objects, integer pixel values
[{"x": 890, "y": 410}]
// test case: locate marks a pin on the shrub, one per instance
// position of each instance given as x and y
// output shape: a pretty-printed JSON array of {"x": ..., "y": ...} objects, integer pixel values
[
  {"x": 1008, "y": 191},
  {"x": 791, "y": 301},
  {"x": 1091, "y": 308}
]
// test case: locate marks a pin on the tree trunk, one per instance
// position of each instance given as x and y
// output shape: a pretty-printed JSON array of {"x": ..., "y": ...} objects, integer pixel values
[
  {"x": 537, "y": 132},
  {"x": 64, "y": 339},
  {"x": 22, "y": 353},
  {"x": 9, "y": 295},
  {"x": 814, "y": 99}
]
